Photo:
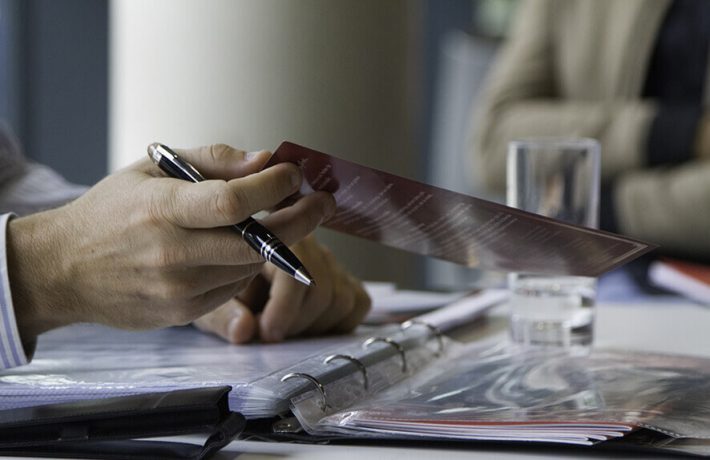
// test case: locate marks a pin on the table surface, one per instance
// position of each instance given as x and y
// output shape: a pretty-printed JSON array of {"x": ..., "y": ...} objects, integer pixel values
[{"x": 625, "y": 318}]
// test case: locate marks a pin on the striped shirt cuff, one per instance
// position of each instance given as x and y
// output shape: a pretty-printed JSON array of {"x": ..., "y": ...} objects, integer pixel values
[{"x": 12, "y": 354}]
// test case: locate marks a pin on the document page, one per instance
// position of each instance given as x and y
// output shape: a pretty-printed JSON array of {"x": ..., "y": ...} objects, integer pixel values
[{"x": 432, "y": 221}]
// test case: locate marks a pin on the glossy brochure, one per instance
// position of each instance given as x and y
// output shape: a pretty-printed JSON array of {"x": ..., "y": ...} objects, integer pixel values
[{"x": 431, "y": 221}]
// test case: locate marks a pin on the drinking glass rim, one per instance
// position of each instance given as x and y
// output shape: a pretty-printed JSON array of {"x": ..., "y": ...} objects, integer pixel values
[{"x": 553, "y": 141}]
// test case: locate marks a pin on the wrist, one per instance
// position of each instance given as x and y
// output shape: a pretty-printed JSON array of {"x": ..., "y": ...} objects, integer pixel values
[{"x": 39, "y": 291}]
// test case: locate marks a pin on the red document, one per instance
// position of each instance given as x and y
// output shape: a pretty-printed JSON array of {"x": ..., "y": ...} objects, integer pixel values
[{"x": 432, "y": 221}]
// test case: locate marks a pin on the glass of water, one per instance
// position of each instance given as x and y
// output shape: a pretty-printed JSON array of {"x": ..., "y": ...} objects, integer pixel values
[{"x": 556, "y": 178}]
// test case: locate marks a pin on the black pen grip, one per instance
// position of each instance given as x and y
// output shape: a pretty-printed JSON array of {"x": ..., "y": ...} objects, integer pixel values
[{"x": 268, "y": 245}]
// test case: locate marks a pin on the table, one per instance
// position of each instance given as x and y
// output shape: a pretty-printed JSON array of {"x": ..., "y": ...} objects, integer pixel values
[{"x": 625, "y": 319}]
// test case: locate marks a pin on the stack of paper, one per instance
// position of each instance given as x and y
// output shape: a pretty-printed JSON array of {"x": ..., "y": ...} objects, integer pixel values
[{"x": 539, "y": 431}]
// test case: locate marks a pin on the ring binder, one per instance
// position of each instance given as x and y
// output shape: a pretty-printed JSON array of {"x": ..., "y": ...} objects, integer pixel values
[
  {"x": 434, "y": 330},
  {"x": 319, "y": 386},
  {"x": 357, "y": 362},
  {"x": 392, "y": 343}
]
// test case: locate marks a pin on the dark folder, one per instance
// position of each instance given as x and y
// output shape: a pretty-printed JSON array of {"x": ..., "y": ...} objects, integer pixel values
[{"x": 121, "y": 427}]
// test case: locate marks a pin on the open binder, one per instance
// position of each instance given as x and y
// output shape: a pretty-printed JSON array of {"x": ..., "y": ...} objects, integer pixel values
[
  {"x": 408, "y": 382},
  {"x": 90, "y": 362},
  {"x": 495, "y": 392}
]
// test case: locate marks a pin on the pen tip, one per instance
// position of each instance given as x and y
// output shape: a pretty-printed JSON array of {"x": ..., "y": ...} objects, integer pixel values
[{"x": 304, "y": 277}]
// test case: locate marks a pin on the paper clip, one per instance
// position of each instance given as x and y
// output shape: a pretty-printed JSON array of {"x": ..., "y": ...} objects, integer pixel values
[
  {"x": 390, "y": 342},
  {"x": 434, "y": 330},
  {"x": 319, "y": 386},
  {"x": 353, "y": 360}
]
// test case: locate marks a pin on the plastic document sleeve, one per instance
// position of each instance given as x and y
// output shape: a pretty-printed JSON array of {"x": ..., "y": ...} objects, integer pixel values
[
  {"x": 499, "y": 393},
  {"x": 121, "y": 427}
]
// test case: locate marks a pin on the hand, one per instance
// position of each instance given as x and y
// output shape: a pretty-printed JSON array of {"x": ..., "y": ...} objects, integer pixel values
[
  {"x": 336, "y": 304},
  {"x": 140, "y": 250}
]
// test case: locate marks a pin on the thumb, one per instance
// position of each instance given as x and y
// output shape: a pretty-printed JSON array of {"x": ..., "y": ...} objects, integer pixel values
[
  {"x": 219, "y": 161},
  {"x": 232, "y": 321}
]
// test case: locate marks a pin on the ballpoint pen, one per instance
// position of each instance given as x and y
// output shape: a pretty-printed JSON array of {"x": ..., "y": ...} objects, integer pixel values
[{"x": 255, "y": 234}]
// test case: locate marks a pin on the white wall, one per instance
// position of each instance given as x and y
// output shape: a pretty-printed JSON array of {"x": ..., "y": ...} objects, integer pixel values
[{"x": 331, "y": 75}]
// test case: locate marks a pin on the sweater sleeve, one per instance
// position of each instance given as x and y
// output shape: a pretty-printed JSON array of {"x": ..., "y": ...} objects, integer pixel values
[
  {"x": 521, "y": 100},
  {"x": 27, "y": 187},
  {"x": 667, "y": 206}
]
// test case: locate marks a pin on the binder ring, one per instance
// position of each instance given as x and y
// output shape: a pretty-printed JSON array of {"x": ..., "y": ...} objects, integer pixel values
[
  {"x": 434, "y": 330},
  {"x": 319, "y": 386},
  {"x": 357, "y": 362},
  {"x": 392, "y": 343}
]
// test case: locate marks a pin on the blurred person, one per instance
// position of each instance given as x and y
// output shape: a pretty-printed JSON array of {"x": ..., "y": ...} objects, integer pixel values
[
  {"x": 632, "y": 74},
  {"x": 139, "y": 250}
]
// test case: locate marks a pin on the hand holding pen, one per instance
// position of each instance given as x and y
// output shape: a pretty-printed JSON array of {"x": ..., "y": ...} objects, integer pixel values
[
  {"x": 256, "y": 235},
  {"x": 337, "y": 304},
  {"x": 139, "y": 251},
  {"x": 287, "y": 308}
]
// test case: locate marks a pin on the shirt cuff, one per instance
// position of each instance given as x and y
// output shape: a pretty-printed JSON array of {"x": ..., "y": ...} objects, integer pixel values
[
  {"x": 672, "y": 134},
  {"x": 12, "y": 352}
]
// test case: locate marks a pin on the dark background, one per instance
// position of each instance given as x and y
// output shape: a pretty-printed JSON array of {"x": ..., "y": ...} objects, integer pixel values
[{"x": 54, "y": 82}]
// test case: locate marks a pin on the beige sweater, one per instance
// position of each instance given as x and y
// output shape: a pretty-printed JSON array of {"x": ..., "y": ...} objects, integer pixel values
[{"x": 577, "y": 68}]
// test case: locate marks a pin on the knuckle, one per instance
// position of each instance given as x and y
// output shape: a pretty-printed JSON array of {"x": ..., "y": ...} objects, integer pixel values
[
  {"x": 155, "y": 208},
  {"x": 175, "y": 299},
  {"x": 171, "y": 291},
  {"x": 152, "y": 214},
  {"x": 219, "y": 153},
  {"x": 165, "y": 256},
  {"x": 165, "y": 204},
  {"x": 226, "y": 203},
  {"x": 280, "y": 184}
]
